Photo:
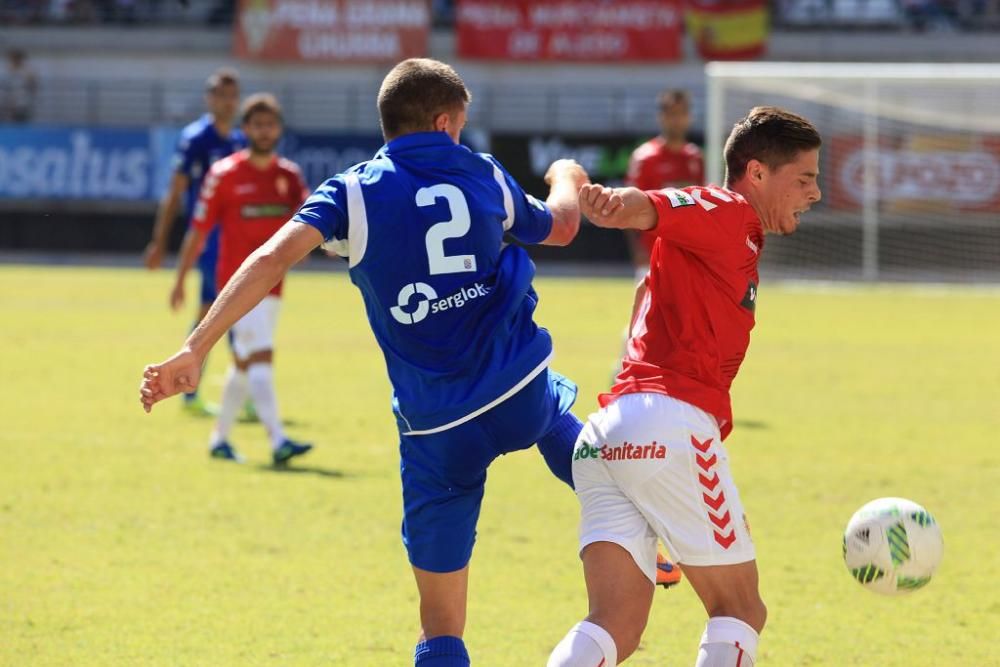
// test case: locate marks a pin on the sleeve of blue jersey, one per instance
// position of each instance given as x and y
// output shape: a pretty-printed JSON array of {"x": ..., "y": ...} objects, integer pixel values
[
  {"x": 326, "y": 210},
  {"x": 184, "y": 156},
  {"x": 532, "y": 218}
]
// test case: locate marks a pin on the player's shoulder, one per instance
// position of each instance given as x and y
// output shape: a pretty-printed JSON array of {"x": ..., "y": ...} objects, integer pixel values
[
  {"x": 716, "y": 201},
  {"x": 647, "y": 150},
  {"x": 691, "y": 150},
  {"x": 487, "y": 165},
  {"x": 289, "y": 166},
  {"x": 228, "y": 164},
  {"x": 196, "y": 129}
]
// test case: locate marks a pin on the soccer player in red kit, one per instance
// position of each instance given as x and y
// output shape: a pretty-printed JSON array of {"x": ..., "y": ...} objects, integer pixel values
[
  {"x": 250, "y": 194},
  {"x": 651, "y": 462}
]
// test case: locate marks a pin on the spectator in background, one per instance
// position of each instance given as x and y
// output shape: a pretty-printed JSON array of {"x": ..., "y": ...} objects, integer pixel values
[{"x": 19, "y": 86}]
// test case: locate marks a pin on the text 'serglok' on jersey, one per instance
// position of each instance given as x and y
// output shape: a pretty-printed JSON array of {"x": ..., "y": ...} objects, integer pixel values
[
  {"x": 422, "y": 226},
  {"x": 248, "y": 204},
  {"x": 692, "y": 330}
]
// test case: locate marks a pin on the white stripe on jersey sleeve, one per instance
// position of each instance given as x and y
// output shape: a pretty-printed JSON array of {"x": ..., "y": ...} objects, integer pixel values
[
  {"x": 508, "y": 200},
  {"x": 357, "y": 217}
]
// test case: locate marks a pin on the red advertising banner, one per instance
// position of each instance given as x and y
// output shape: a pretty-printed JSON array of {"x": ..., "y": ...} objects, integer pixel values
[
  {"x": 359, "y": 31},
  {"x": 921, "y": 170},
  {"x": 570, "y": 30}
]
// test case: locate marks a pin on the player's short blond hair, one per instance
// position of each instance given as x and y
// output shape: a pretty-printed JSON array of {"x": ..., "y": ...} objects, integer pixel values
[
  {"x": 415, "y": 92},
  {"x": 770, "y": 135},
  {"x": 224, "y": 76}
]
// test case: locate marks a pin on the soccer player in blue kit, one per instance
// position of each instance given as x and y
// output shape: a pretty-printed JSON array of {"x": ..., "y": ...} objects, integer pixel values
[
  {"x": 203, "y": 142},
  {"x": 422, "y": 226}
]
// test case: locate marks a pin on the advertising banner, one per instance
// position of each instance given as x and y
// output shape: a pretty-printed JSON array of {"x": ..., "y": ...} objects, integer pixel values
[
  {"x": 922, "y": 170},
  {"x": 569, "y": 30},
  {"x": 340, "y": 31},
  {"x": 107, "y": 164},
  {"x": 76, "y": 163},
  {"x": 528, "y": 156}
]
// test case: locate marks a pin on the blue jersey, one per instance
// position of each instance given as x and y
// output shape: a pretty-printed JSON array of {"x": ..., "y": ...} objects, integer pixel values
[
  {"x": 422, "y": 225},
  {"x": 199, "y": 147}
]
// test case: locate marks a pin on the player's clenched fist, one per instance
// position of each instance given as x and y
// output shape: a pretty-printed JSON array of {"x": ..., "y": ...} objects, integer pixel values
[
  {"x": 566, "y": 169},
  {"x": 179, "y": 373},
  {"x": 617, "y": 208},
  {"x": 598, "y": 202}
]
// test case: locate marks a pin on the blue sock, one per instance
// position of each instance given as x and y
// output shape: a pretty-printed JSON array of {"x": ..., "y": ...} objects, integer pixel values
[
  {"x": 557, "y": 445},
  {"x": 441, "y": 652}
]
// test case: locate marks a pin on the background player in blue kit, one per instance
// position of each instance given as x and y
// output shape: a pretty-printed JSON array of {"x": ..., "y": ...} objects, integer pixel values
[
  {"x": 203, "y": 142},
  {"x": 423, "y": 225}
]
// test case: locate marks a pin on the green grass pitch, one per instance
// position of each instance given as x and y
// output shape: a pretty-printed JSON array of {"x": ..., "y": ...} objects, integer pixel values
[{"x": 122, "y": 544}]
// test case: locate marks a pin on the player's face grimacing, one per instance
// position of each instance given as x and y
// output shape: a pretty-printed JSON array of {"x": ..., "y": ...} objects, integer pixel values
[
  {"x": 224, "y": 101},
  {"x": 263, "y": 130},
  {"x": 789, "y": 191}
]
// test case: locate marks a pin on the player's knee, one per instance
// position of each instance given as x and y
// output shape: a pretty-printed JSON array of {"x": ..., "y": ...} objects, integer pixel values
[
  {"x": 751, "y": 610},
  {"x": 625, "y": 626},
  {"x": 628, "y": 643}
]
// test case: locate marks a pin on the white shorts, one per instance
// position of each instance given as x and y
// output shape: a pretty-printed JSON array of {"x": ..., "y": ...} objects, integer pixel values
[
  {"x": 254, "y": 332},
  {"x": 649, "y": 466}
]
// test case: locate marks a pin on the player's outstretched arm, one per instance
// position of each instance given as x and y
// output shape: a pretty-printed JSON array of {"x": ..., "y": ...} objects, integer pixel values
[
  {"x": 258, "y": 274},
  {"x": 165, "y": 214},
  {"x": 617, "y": 208},
  {"x": 565, "y": 178}
]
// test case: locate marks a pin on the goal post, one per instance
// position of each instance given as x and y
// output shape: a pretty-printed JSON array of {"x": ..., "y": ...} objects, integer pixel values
[{"x": 910, "y": 165}]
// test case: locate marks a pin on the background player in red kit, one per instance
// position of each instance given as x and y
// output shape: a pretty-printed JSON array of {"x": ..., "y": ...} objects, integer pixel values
[
  {"x": 668, "y": 160},
  {"x": 250, "y": 194},
  {"x": 651, "y": 463}
]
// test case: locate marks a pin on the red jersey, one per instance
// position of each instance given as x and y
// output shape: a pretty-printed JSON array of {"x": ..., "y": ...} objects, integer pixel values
[
  {"x": 692, "y": 330},
  {"x": 250, "y": 203},
  {"x": 655, "y": 165}
]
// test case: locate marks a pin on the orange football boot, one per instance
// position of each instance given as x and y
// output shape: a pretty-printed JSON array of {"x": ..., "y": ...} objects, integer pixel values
[{"x": 667, "y": 573}]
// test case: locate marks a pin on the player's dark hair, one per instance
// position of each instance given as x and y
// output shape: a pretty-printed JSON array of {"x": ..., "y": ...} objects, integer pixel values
[
  {"x": 416, "y": 91},
  {"x": 260, "y": 103},
  {"x": 769, "y": 135},
  {"x": 669, "y": 98},
  {"x": 224, "y": 76}
]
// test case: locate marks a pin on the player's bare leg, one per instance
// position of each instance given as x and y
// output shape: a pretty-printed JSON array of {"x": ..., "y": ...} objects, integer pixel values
[
  {"x": 620, "y": 597},
  {"x": 443, "y": 606},
  {"x": 736, "y": 613}
]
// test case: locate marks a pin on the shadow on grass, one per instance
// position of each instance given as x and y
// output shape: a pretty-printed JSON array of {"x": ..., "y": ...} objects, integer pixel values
[
  {"x": 242, "y": 419},
  {"x": 300, "y": 469},
  {"x": 750, "y": 423}
]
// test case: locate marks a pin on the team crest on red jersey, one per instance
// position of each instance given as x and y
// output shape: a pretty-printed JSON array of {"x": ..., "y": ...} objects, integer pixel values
[{"x": 281, "y": 185}]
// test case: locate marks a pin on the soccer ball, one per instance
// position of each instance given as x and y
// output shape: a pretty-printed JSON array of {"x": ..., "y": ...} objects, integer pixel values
[{"x": 892, "y": 546}]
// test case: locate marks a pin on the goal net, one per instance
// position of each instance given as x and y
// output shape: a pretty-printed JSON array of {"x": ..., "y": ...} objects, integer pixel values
[{"x": 910, "y": 166}]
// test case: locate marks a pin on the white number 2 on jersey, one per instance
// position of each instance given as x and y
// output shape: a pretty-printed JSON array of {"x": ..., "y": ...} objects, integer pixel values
[{"x": 457, "y": 227}]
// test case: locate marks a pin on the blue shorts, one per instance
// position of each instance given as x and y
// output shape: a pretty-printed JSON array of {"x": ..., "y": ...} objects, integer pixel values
[
  {"x": 207, "y": 263},
  {"x": 444, "y": 473}
]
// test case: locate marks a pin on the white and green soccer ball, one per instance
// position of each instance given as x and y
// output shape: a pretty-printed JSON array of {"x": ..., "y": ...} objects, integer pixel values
[{"x": 892, "y": 546}]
